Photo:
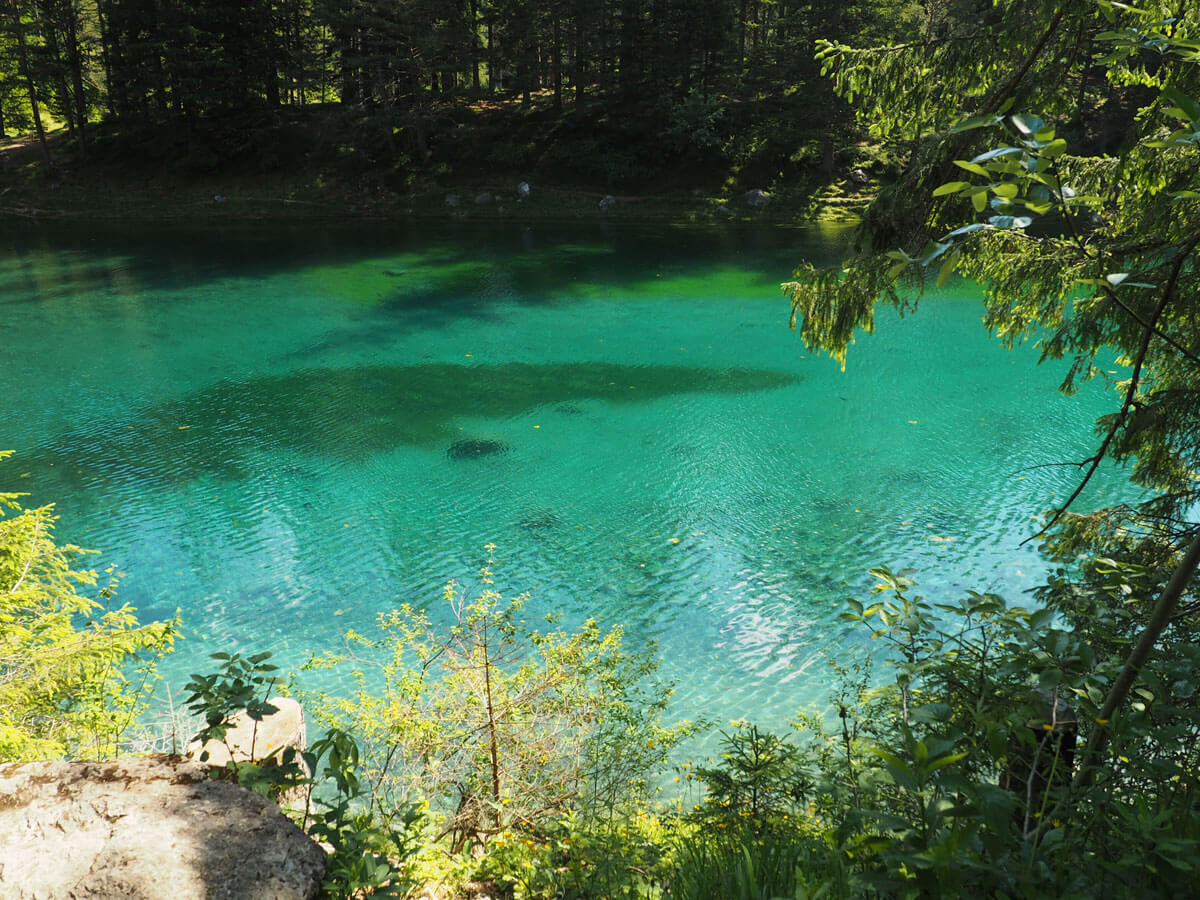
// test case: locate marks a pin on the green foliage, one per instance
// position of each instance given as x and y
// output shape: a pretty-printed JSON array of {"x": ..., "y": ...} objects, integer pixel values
[
  {"x": 761, "y": 782},
  {"x": 754, "y": 831},
  {"x": 578, "y": 858},
  {"x": 73, "y": 668},
  {"x": 1088, "y": 246},
  {"x": 780, "y": 865},
  {"x": 371, "y": 848},
  {"x": 977, "y": 783},
  {"x": 368, "y": 849},
  {"x": 500, "y": 726},
  {"x": 240, "y": 683}
]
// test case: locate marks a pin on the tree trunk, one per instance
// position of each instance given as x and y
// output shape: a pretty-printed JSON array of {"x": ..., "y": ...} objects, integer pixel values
[
  {"x": 75, "y": 62},
  {"x": 23, "y": 61},
  {"x": 50, "y": 32},
  {"x": 475, "y": 61},
  {"x": 579, "y": 63},
  {"x": 1160, "y": 618},
  {"x": 491, "y": 55},
  {"x": 556, "y": 63},
  {"x": 106, "y": 51}
]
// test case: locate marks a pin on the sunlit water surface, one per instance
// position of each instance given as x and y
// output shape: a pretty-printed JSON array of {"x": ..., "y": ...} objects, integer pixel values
[{"x": 285, "y": 432}]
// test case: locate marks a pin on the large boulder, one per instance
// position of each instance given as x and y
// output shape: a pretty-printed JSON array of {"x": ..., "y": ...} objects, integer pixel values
[{"x": 149, "y": 828}]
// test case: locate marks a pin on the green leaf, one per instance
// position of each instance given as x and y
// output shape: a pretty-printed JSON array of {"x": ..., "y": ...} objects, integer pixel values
[
  {"x": 942, "y": 761},
  {"x": 1007, "y": 223},
  {"x": 1053, "y": 837},
  {"x": 1027, "y": 124},
  {"x": 998, "y": 153},
  {"x": 973, "y": 122},
  {"x": 949, "y": 264},
  {"x": 1050, "y": 678},
  {"x": 1185, "y": 104},
  {"x": 933, "y": 250},
  {"x": 950, "y": 187},
  {"x": 979, "y": 199},
  {"x": 971, "y": 167}
]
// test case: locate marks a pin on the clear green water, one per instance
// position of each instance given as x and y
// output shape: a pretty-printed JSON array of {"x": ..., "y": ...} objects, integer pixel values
[{"x": 260, "y": 428}]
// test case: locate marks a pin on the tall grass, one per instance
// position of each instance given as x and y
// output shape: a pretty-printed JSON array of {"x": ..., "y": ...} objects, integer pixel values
[{"x": 772, "y": 866}]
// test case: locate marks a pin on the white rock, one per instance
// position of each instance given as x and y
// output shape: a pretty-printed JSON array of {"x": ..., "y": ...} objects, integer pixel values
[
  {"x": 251, "y": 741},
  {"x": 154, "y": 828}
]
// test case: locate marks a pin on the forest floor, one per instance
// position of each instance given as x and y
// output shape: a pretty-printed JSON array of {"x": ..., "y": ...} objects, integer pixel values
[{"x": 313, "y": 169}]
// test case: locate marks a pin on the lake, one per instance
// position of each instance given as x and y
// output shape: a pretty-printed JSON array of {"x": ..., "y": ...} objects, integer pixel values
[{"x": 283, "y": 431}]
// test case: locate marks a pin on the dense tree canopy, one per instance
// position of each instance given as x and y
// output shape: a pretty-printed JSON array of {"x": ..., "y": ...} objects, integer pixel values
[
  {"x": 666, "y": 72},
  {"x": 1052, "y": 154},
  {"x": 1084, "y": 241}
]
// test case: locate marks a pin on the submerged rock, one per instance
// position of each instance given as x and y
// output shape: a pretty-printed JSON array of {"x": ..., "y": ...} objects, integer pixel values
[
  {"x": 540, "y": 520},
  {"x": 154, "y": 828},
  {"x": 475, "y": 448}
]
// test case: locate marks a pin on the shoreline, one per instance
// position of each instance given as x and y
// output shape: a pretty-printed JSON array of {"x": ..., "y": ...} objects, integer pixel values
[{"x": 101, "y": 192}]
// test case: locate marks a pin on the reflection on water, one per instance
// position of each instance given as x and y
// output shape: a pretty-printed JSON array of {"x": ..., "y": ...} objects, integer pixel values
[{"x": 285, "y": 433}]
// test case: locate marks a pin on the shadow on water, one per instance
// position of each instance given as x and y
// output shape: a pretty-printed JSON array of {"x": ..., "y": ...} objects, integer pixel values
[
  {"x": 419, "y": 265},
  {"x": 351, "y": 414}
]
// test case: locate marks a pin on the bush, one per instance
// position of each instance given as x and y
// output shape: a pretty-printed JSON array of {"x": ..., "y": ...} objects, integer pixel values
[
  {"x": 368, "y": 849},
  {"x": 73, "y": 668},
  {"x": 500, "y": 726}
]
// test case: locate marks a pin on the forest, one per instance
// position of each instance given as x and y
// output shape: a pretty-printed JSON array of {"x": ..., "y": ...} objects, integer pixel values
[
  {"x": 605, "y": 96},
  {"x": 1046, "y": 150}
]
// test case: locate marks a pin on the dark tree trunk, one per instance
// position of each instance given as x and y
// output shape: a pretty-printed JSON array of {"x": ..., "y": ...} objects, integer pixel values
[
  {"x": 75, "y": 62},
  {"x": 556, "y": 63},
  {"x": 50, "y": 31},
  {"x": 579, "y": 63},
  {"x": 106, "y": 53},
  {"x": 23, "y": 61},
  {"x": 491, "y": 54}
]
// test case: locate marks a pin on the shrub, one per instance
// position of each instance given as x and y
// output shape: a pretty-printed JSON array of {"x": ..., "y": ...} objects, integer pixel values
[
  {"x": 73, "y": 668},
  {"x": 501, "y": 726}
]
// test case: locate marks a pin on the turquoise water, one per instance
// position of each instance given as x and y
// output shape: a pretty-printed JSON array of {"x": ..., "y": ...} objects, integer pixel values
[{"x": 283, "y": 433}]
